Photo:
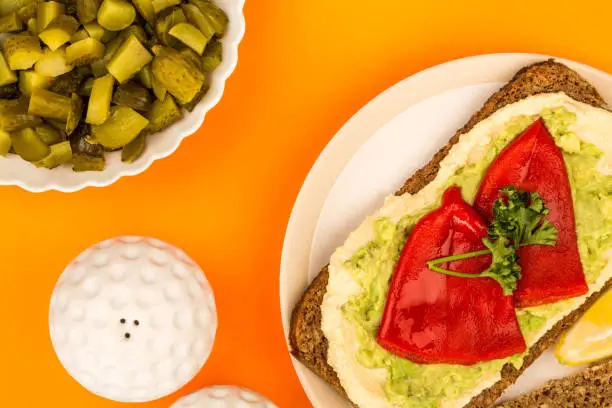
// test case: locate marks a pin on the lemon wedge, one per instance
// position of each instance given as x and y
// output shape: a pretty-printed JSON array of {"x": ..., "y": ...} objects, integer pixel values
[{"x": 590, "y": 339}]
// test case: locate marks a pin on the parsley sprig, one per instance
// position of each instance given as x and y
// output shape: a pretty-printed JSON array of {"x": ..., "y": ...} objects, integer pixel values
[{"x": 518, "y": 220}]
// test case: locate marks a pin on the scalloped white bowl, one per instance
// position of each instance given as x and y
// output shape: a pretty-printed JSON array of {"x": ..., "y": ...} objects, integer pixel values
[{"x": 15, "y": 171}]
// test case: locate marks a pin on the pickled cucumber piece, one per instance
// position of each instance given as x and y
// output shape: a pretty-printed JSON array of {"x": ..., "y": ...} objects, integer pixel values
[
  {"x": 75, "y": 114},
  {"x": 28, "y": 11},
  {"x": 22, "y": 51},
  {"x": 48, "y": 104},
  {"x": 215, "y": 16},
  {"x": 84, "y": 52},
  {"x": 130, "y": 58},
  {"x": 7, "y": 76},
  {"x": 28, "y": 145},
  {"x": 98, "y": 32},
  {"x": 178, "y": 75},
  {"x": 100, "y": 99},
  {"x": 53, "y": 63},
  {"x": 159, "y": 5},
  {"x": 59, "y": 154},
  {"x": 133, "y": 150},
  {"x": 145, "y": 76},
  {"x": 165, "y": 21},
  {"x": 8, "y": 6},
  {"x": 47, "y": 12},
  {"x": 98, "y": 68},
  {"x": 115, "y": 15},
  {"x": 145, "y": 8},
  {"x": 198, "y": 98},
  {"x": 68, "y": 83},
  {"x": 190, "y": 36},
  {"x": 59, "y": 31},
  {"x": 82, "y": 162},
  {"x": 192, "y": 56},
  {"x": 30, "y": 80},
  {"x": 14, "y": 115},
  {"x": 79, "y": 35},
  {"x": 198, "y": 19},
  {"x": 133, "y": 96},
  {"x": 213, "y": 56},
  {"x": 163, "y": 114},
  {"x": 10, "y": 91},
  {"x": 123, "y": 126},
  {"x": 87, "y": 10},
  {"x": 49, "y": 134},
  {"x": 136, "y": 31},
  {"x": 33, "y": 26},
  {"x": 5, "y": 143},
  {"x": 10, "y": 23},
  {"x": 158, "y": 89},
  {"x": 86, "y": 86}
]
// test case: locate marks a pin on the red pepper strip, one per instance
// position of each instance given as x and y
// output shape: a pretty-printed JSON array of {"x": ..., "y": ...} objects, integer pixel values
[
  {"x": 432, "y": 318},
  {"x": 534, "y": 163}
]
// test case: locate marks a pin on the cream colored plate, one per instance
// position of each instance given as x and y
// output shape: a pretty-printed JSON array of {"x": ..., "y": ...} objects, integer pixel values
[{"x": 376, "y": 150}]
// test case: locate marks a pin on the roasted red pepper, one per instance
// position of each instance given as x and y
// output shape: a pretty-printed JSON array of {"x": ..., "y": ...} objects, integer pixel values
[
  {"x": 534, "y": 163},
  {"x": 434, "y": 318}
]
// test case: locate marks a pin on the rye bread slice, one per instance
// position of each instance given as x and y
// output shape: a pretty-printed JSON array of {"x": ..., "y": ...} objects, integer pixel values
[
  {"x": 306, "y": 338},
  {"x": 591, "y": 388}
]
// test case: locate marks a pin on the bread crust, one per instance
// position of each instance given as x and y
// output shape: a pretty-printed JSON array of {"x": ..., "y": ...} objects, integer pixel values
[{"x": 306, "y": 337}]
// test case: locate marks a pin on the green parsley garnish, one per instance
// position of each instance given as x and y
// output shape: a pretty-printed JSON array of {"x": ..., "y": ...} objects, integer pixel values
[{"x": 518, "y": 220}]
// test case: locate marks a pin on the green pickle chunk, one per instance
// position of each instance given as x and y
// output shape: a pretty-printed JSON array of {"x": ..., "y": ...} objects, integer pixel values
[
  {"x": 145, "y": 8},
  {"x": 50, "y": 105},
  {"x": 163, "y": 114},
  {"x": 178, "y": 75},
  {"x": 213, "y": 56},
  {"x": 59, "y": 154},
  {"x": 75, "y": 114},
  {"x": 133, "y": 96},
  {"x": 159, "y": 5},
  {"x": 53, "y": 63},
  {"x": 48, "y": 134},
  {"x": 82, "y": 162},
  {"x": 28, "y": 145},
  {"x": 115, "y": 15},
  {"x": 14, "y": 115},
  {"x": 84, "y": 52},
  {"x": 87, "y": 10},
  {"x": 165, "y": 21},
  {"x": 98, "y": 109},
  {"x": 216, "y": 17},
  {"x": 130, "y": 58},
  {"x": 123, "y": 126},
  {"x": 30, "y": 80},
  {"x": 133, "y": 150},
  {"x": 22, "y": 51},
  {"x": 190, "y": 36},
  {"x": 10, "y": 23},
  {"x": 5, "y": 143},
  {"x": 7, "y": 76},
  {"x": 59, "y": 31},
  {"x": 47, "y": 12}
]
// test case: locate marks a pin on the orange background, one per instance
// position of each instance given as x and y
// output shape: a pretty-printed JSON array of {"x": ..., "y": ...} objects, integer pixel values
[{"x": 225, "y": 196}]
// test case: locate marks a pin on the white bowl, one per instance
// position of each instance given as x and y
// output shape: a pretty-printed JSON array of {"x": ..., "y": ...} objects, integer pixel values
[{"x": 15, "y": 171}]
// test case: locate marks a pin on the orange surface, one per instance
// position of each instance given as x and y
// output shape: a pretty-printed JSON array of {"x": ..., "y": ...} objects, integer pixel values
[{"x": 225, "y": 196}]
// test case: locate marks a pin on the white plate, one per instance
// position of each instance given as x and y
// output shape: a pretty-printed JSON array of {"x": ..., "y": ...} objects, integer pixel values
[
  {"x": 372, "y": 155},
  {"x": 15, "y": 171}
]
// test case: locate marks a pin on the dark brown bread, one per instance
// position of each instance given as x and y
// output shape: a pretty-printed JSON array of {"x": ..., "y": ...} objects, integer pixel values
[
  {"x": 308, "y": 343},
  {"x": 591, "y": 388}
]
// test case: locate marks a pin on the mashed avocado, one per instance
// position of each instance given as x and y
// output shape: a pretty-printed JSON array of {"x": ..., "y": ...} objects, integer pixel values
[{"x": 413, "y": 385}]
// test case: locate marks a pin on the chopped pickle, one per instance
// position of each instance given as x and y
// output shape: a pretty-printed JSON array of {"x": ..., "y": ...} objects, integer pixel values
[
  {"x": 30, "y": 80},
  {"x": 133, "y": 96},
  {"x": 136, "y": 31},
  {"x": 59, "y": 154},
  {"x": 159, "y": 5},
  {"x": 133, "y": 150},
  {"x": 10, "y": 91},
  {"x": 79, "y": 140},
  {"x": 198, "y": 19},
  {"x": 84, "y": 52},
  {"x": 145, "y": 8},
  {"x": 158, "y": 89},
  {"x": 163, "y": 114},
  {"x": 191, "y": 55},
  {"x": 48, "y": 104},
  {"x": 215, "y": 16},
  {"x": 5, "y": 143},
  {"x": 68, "y": 83},
  {"x": 14, "y": 115},
  {"x": 75, "y": 114},
  {"x": 79, "y": 35},
  {"x": 10, "y": 23},
  {"x": 145, "y": 76},
  {"x": 47, "y": 12},
  {"x": 178, "y": 75},
  {"x": 59, "y": 31},
  {"x": 53, "y": 63},
  {"x": 22, "y": 51},
  {"x": 115, "y": 15},
  {"x": 33, "y": 26},
  {"x": 98, "y": 32},
  {"x": 8, "y": 6},
  {"x": 49, "y": 134},
  {"x": 87, "y": 10},
  {"x": 190, "y": 36},
  {"x": 213, "y": 56},
  {"x": 28, "y": 145},
  {"x": 86, "y": 86},
  {"x": 82, "y": 162},
  {"x": 165, "y": 21},
  {"x": 28, "y": 11},
  {"x": 130, "y": 58},
  {"x": 198, "y": 98},
  {"x": 100, "y": 100},
  {"x": 7, "y": 76},
  {"x": 98, "y": 68},
  {"x": 123, "y": 125}
]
